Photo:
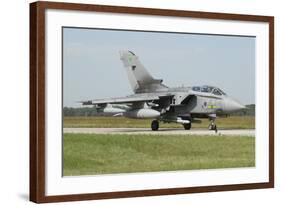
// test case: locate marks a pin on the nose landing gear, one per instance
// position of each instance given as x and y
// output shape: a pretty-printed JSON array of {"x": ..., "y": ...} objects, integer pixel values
[{"x": 213, "y": 126}]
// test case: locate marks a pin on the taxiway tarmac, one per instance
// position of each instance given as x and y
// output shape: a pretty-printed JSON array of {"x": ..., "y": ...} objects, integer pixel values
[{"x": 161, "y": 131}]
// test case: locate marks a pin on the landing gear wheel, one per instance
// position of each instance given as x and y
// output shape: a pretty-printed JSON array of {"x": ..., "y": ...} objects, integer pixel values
[
  {"x": 213, "y": 126},
  {"x": 187, "y": 126},
  {"x": 155, "y": 125}
]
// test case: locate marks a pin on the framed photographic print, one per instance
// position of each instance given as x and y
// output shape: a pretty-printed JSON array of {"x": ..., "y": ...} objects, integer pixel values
[{"x": 130, "y": 102}]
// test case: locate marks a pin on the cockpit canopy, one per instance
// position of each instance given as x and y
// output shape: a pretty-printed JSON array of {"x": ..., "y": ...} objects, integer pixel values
[{"x": 208, "y": 89}]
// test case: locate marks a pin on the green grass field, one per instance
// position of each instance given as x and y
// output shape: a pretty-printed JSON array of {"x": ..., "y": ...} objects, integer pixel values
[
  {"x": 90, "y": 154},
  {"x": 222, "y": 123}
]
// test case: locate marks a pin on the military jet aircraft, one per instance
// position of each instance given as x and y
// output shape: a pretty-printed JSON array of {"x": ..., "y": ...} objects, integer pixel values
[{"x": 152, "y": 99}]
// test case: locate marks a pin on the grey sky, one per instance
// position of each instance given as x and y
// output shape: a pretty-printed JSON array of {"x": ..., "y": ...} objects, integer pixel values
[{"x": 92, "y": 67}]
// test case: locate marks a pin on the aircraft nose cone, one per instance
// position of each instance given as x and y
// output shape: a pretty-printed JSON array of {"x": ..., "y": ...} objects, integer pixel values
[{"x": 233, "y": 105}]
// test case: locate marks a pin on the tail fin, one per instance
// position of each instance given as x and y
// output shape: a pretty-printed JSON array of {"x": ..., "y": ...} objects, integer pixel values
[{"x": 139, "y": 78}]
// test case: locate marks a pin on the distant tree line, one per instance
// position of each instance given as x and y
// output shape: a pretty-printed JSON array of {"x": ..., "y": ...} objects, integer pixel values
[
  {"x": 92, "y": 111},
  {"x": 83, "y": 111},
  {"x": 250, "y": 111}
]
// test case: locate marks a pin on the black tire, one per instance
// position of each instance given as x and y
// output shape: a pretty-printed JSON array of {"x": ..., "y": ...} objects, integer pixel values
[
  {"x": 187, "y": 126},
  {"x": 154, "y": 125},
  {"x": 213, "y": 127}
]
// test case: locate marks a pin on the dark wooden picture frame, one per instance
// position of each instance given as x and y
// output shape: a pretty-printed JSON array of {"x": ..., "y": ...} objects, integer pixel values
[{"x": 37, "y": 100}]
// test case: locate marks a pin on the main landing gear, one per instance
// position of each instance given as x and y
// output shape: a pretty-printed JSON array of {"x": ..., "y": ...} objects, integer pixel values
[
  {"x": 155, "y": 125},
  {"x": 187, "y": 126}
]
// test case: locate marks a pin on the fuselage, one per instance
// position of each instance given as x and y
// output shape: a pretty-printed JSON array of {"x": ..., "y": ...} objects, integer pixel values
[{"x": 208, "y": 100}]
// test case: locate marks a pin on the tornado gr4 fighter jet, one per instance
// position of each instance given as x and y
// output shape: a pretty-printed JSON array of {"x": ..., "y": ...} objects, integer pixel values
[{"x": 152, "y": 99}]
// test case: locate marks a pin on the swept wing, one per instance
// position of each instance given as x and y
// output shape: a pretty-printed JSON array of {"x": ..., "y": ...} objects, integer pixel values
[{"x": 127, "y": 99}]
